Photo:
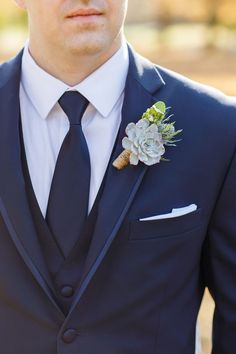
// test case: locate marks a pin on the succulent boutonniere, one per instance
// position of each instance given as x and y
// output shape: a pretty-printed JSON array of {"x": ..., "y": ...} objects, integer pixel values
[{"x": 146, "y": 140}]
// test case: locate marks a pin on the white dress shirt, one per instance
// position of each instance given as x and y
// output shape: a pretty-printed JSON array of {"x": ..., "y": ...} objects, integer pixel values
[{"x": 45, "y": 125}]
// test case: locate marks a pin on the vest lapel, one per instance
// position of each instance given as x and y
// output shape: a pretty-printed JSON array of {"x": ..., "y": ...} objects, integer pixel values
[
  {"x": 13, "y": 200},
  {"x": 120, "y": 186}
]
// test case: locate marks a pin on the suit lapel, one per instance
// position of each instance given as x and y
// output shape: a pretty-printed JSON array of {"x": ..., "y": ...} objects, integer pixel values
[
  {"x": 121, "y": 186},
  {"x": 13, "y": 200}
]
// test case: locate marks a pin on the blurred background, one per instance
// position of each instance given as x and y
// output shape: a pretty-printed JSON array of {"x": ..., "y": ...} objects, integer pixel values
[{"x": 194, "y": 37}]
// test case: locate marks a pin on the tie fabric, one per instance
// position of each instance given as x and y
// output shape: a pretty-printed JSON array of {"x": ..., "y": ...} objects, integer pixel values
[{"x": 68, "y": 200}]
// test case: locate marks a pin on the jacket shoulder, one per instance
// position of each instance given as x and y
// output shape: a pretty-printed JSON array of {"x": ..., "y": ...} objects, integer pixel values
[
  {"x": 198, "y": 94},
  {"x": 10, "y": 68},
  {"x": 206, "y": 115}
]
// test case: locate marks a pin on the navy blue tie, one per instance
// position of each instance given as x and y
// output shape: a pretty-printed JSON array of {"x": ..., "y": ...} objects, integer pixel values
[{"x": 68, "y": 200}]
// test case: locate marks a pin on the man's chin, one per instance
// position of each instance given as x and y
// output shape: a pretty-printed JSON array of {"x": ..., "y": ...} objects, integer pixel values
[{"x": 86, "y": 48}]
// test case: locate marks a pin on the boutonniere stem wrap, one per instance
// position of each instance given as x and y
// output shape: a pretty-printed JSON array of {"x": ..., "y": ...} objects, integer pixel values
[{"x": 146, "y": 139}]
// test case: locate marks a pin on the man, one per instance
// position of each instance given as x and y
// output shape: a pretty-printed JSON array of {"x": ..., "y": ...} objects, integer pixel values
[{"x": 83, "y": 267}]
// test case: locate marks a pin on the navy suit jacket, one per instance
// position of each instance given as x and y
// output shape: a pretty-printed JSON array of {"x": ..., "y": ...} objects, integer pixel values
[{"x": 143, "y": 282}]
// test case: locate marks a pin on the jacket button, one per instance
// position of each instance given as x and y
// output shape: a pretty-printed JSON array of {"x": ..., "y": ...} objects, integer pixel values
[
  {"x": 69, "y": 335},
  {"x": 67, "y": 291}
]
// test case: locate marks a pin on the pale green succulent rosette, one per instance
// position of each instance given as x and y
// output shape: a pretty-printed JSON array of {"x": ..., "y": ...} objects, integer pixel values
[{"x": 146, "y": 140}]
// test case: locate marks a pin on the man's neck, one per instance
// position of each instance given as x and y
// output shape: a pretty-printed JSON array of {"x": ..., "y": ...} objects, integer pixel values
[{"x": 71, "y": 69}]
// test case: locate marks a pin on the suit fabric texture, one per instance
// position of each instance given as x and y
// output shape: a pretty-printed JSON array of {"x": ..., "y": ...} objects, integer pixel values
[{"x": 142, "y": 282}]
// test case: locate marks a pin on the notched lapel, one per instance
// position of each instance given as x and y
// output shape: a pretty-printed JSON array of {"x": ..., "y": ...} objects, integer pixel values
[
  {"x": 121, "y": 186},
  {"x": 13, "y": 199}
]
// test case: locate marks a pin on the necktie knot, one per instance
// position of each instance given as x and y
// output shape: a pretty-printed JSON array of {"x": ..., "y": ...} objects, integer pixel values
[{"x": 74, "y": 105}]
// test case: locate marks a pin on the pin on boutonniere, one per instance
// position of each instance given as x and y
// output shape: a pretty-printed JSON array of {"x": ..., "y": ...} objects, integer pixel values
[{"x": 146, "y": 140}]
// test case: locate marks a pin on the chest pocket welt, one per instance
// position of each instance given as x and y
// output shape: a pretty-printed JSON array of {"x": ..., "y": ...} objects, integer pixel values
[{"x": 156, "y": 229}]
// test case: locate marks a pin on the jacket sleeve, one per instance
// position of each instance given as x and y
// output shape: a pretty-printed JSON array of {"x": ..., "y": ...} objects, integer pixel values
[{"x": 219, "y": 265}]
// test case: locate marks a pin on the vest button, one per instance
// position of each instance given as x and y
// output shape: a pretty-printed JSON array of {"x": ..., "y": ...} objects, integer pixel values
[
  {"x": 69, "y": 335},
  {"x": 67, "y": 291}
]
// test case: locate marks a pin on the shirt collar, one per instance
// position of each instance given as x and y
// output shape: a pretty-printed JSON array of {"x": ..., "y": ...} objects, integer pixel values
[{"x": 102, "y": 88}]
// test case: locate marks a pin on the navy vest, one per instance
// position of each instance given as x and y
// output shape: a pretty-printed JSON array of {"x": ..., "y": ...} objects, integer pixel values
[{"x": 65, "y": 273}]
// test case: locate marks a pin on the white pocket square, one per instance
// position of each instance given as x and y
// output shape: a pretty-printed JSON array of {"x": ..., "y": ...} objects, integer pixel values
[{"x": 173, "y": 214}]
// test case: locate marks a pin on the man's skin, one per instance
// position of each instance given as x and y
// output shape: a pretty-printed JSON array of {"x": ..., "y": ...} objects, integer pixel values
[{"x": 70, "y": 39}]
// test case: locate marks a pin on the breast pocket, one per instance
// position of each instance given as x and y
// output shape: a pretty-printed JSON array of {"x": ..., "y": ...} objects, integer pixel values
[{"x": 165, "y": 228}]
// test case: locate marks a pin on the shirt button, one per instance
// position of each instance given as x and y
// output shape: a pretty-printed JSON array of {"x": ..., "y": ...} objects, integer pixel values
[
  {"x": 69, "y": 335},
  {"x": 67, "y": 291}
]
